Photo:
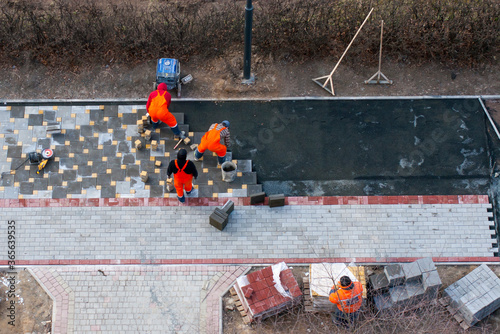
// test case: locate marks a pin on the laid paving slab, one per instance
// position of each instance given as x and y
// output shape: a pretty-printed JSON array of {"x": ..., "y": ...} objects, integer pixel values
[
  {"x": 132, "y": 299},
  {"x": 148, "y": 233}
]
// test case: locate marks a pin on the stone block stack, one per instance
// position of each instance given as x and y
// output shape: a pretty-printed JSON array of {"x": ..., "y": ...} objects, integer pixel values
[
  {"x": 405, "y": 284},
  {"x": 268, "y": 291},
  {"x": 475, "y": 296}
]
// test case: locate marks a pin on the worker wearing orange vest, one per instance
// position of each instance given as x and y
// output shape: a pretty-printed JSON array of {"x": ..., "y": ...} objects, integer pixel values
[
  {"x": 348, "y": 296},
  {"x": 184, "y": 171},
  {"x": 216, "y": 139},
  {"x": 157, "y": 107}
]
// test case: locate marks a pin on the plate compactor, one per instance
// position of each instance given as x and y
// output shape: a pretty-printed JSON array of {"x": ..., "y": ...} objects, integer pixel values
[
  {"x": 39, "y": 159},
  {"x": 168, "y": 71}
]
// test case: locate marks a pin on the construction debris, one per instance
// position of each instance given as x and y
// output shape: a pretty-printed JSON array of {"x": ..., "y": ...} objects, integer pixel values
[
  {"x": 267, "y": 292},
  {"x": 144, "y": 176},
  {"x": 138, "y": 144}
]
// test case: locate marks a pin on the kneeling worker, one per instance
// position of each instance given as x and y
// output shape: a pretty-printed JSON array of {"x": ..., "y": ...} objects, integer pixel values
[
  {"x": 216, "y": 139},
  {"x": 348, "y": 296},
  {"x": 184, "y": 171},
  {"x": 157, "y": 107}
]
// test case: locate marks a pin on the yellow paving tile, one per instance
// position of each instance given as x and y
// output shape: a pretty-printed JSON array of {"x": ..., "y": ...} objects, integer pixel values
[
  {"x": 73, "y": 115},
  {"x": 106, "y": 119},
  {"x": 119, "y": 154},
  {"x": 89, "y": 163},
  {"x": 20, "y": 196},
  {"x": 82, "y": 138},
  {"x": 210, "y": 182},
  {"x": 31, "y": 180},
  {"x": 53, "y": 108},
  {"x": 215, "y": 195},
  {"x": 77, "y": 127},
  {"x": 115, "y": 142},
  {"x": 34, "y": 139},
  {"x": 75, "y": 167},
  {"x": 108, "y": 171},
  {"x": 72, "y": 155},
  {"x": 104, "y": 158},
  {"x": 27, "y": 167},
  {"x": 59, "y": 119},
  {"x": 124, "y": 166},
  {"x": 85, "y": 151},
  {"x": 157, "y": 171},
  {"x": 113, "y": 183},
  {"x": 101, "y": 107},
  {"x": 65, "y": 183},
  {"x": 96, "y": 135},
  {"x": 98, "y": 187},
  {"x": 243, "y": 186},
  {"x": 134, "y": 111},
  {"x": 16, "y": 184},
  {"x": 239, "y": 174},
  {"x": 100, "y": 147},
  {"x": 151, "y": 158},
  {"x": 127, "y": 179},
  {"x": 94, "y": 175},
  {"x": 230, "y": 190},
  {"x": 91, "y": 122},
  {"x": 87, "y": 111},
  {"x": 67, "y": 143}
]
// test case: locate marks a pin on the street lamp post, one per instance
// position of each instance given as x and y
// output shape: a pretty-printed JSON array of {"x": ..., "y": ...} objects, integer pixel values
[{"x": 248, "y": 78}]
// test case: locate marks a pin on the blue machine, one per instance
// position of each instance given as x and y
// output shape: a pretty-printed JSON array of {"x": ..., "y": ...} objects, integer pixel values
[{"x": 169, "y": 71}]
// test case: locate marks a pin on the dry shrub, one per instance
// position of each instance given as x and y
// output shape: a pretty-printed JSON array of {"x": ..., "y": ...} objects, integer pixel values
[{"x": 71, "y": 32}]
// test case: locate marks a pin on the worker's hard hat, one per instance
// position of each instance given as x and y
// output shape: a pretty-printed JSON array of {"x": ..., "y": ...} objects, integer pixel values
[
  {"x": 345, "y": 281},
  {"x": 226, "y": 123}
]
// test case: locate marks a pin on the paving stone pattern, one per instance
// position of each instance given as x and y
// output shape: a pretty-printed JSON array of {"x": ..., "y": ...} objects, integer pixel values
[
  {"x": 293, "y": 231},
  {"x": 131, "y": 299},
  {"x": 95, "y": 156}
]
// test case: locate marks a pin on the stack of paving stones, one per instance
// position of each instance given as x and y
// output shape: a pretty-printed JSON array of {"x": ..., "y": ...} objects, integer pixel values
[
  {"x": 474, "y": 297},
  {"x": 95, "y": 155},
  {"x": 259, "y": 295},
  {"x": 406, "y": 284}
]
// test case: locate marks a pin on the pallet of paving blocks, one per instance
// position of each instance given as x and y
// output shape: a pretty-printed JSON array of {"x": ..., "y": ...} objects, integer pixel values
[
  {"x": 474, "y": 297},
  {"x": 402, "y": 285},
  {"x": 266, "y": 292}
]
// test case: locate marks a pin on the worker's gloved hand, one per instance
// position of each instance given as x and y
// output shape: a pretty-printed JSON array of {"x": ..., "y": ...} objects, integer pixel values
[{"x": 332, "y": 291}]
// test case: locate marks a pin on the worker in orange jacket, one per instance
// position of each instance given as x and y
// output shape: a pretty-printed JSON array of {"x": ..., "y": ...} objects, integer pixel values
[
  {"x": 184, "y": 171},
  {"x": 157, "y": 107},
  {"x": 216, "y": 139},
  {"x": 348, "y": 296}
]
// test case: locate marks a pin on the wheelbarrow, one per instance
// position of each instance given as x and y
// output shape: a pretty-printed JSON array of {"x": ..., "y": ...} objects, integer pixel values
[{"x": 168, "y": 71}]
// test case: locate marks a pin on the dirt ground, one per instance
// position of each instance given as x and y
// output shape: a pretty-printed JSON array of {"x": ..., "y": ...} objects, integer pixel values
[
  {"x": 221, "y": 78},
  {"x": 298, "y": 321},
  {"x": 33, "y": 307}
]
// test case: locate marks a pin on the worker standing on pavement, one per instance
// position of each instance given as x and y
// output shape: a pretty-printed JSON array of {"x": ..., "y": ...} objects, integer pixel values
[
  {"x": 216, "y": 139},
  {"x": 348, "y": 296},
  {"x": 184, "y": 171},
  {"x": 157, "y": 107}
]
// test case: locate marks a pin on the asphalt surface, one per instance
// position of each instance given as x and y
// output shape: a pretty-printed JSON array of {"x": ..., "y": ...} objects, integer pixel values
[{"x": 356, "y": 147}]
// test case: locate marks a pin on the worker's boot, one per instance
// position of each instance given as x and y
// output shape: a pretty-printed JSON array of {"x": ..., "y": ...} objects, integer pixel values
[
  {"x": 155, "y": 124},
  {"x": 197, "y": 155},
  {"x": 181, "y": 199}
]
